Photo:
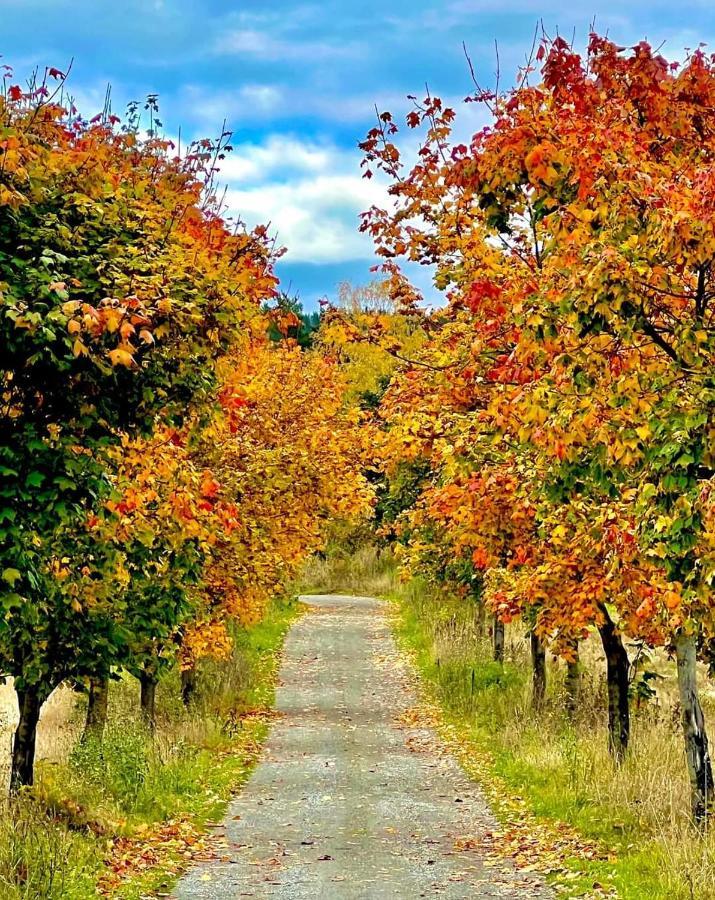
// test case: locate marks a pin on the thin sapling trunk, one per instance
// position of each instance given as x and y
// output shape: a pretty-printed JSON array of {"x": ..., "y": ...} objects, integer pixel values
[
  {"x": 617, "y": 672},
  {"x": 572, "y": 682},
  {"x": 148, "y": 683},
  {"x": 538, "y": 670},
  {"x": 696, "y": 740},
  {"x": 22, "y": 772},
  {"x": 97, "y": 707},
  {"x": 498, "y": 640},
  {"x": 188, "y": 685}
]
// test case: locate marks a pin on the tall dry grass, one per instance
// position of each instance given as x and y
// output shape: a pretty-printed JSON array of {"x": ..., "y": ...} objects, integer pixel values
[
  {"x": 365, "y": 570},
  {"x": 562, "y": 763}
]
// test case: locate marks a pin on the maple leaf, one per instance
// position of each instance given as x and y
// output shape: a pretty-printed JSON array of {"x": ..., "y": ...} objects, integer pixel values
[{"x": 120, "y": 356}]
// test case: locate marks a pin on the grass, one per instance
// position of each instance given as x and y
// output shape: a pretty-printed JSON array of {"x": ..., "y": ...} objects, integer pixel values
[
  {"x": 139, "y": 803},
  {"x": 343, "y": 569},
  {"x": 560, "y": 769},
  {"x": 639, "y": 811},
  {"x": 126, "y": 815}
]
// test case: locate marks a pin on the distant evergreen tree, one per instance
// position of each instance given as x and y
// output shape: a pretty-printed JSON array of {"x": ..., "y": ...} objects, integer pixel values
[{"x": 305, "y": 327}]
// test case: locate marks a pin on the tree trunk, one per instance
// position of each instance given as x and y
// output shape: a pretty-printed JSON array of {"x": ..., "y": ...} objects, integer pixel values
[
  {"x": 23, "y": 747},
  {"x": 97, "y": 705},
  {"x": 498, "y": 640},
  {"x": 538, "y": 664},
  {"x": 572, "y": 683},
  {"x": 617, "y": 671},
  {"x": 148, "y": 699},
  {"x": 696, "y": 739},
  {"x": 188, "y": 685}
]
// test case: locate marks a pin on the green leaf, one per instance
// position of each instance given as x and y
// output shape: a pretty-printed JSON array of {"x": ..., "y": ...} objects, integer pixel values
[
  {"x": 10, "y": 600},
  {"x": 11, "y": 576},
  {"x": 684, "y": 460}
]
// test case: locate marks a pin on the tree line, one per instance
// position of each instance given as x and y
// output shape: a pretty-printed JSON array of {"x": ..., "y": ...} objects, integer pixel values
[
  {"x": 549, "y": 447},
  {"x": 165, "y": 463}
]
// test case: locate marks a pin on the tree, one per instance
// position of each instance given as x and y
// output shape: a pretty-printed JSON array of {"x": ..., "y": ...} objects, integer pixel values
[
  {"x": 288, "y": 455},
  {"x": 366, "y": 330},
  {"x": 120, "y": 288},
  {"x": 577, "y": 229},
  {"x": 287, "y": 320}
]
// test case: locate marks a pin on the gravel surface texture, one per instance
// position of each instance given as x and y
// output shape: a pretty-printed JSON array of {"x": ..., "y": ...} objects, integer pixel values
[{"x": 350, "y": 800}]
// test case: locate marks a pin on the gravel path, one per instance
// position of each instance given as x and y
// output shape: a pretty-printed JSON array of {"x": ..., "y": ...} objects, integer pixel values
[{"x": 348, "y": 801}]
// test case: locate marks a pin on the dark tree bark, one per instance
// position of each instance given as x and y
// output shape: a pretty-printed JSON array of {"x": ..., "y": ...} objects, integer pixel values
[
  {"x": 498, "y": 640},
  {"x": 22, "y": 773},
  {"x": 696, "y": 740},
  {"x": 188, "y": 685},
  {"x": 97, "y": 707},
  {"x": 148, "y": 683},
  {"x": 538, "y": 671},
  {"x": 617, "y": 672}
]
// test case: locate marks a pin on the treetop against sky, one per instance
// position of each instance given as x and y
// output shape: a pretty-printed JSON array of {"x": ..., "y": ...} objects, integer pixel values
[{"x": 298, "y": 84}]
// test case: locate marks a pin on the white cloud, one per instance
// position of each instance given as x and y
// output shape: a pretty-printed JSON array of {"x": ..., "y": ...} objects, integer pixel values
[
  {"x": 264, "y": 97},
  {"x": 250, "y": 102},
  {"x": 310, "y": 193},
  {"x": 270, "y": 47},
  {"x": 279, "y": 157},
  {"x": 266, "y": 102}
]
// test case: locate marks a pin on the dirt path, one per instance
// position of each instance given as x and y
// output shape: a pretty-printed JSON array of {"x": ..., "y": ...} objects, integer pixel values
[{"x": 349, "y": 802}]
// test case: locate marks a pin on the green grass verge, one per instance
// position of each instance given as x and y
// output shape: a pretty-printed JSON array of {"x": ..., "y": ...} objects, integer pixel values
[
  {"x": 142, "y": 803},
  {"x": 637, "y": 814}
]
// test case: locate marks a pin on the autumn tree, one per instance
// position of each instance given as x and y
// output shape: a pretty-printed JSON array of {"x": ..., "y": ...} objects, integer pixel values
[
  {"x": 120, "y": 287},
  {"x": 577, "y": 229},
  {"x": 288, "y": 320},
  {"x": 367, "y": 330},
  {"x": 288, "y": 454}
]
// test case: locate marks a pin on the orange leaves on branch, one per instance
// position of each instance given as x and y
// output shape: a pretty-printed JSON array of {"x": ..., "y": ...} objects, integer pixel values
[
  {"x": 480, "y": 558},
  {"x": 209, "y": 486},
  {"x": 283, "y": 457},
  {"x": 575, "y": 238}
]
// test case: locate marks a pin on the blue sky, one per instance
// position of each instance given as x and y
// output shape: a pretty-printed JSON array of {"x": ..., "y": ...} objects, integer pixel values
[{"x": 298, "y": 82}]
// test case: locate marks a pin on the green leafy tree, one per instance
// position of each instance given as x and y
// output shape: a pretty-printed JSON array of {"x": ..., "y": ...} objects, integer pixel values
[{"x": 120, "y": 287}]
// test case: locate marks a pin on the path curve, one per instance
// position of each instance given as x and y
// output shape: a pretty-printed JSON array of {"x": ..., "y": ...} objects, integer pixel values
[{"x": 348, "y": 803}]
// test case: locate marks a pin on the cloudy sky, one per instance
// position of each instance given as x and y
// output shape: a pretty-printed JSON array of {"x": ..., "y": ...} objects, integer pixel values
[{"x": 298, "y": 84}]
